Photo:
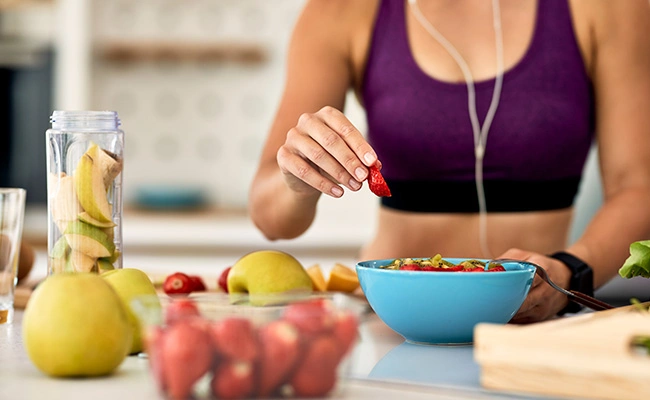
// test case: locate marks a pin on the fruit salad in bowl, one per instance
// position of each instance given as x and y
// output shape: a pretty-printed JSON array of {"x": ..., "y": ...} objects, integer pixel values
[
  {"x": 438, "y": 301},
  {"x": 213, "y": 346}
]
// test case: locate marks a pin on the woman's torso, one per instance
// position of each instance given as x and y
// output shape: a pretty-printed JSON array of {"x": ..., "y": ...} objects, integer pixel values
[{"x": 404, "y": 233}]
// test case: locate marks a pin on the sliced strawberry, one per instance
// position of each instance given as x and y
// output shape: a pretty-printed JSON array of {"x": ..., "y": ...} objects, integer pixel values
[
  {"x": 376, "y": 182},
  {"x": 197, "y": 283},
  {"x": 279, "y": 345},
  {"x": 233, "y": 380},
  {"x": 474, "y": 269},
  {"x": 315, "y": 375},
  {"x": 410, "y": 267},
  {"x": 497, "y": 268},
  {"x": 180, "y": 308},
  {"x": 448, "y": 269},
  {"x": 345, "y": 330},
  {"x": 187, "y": 354},
  {"x": 223, "y": 280},
  {"x": 311, "y": 317},
  {"x": 454, "y": 268},
  {"x": 234, "y": 338}
]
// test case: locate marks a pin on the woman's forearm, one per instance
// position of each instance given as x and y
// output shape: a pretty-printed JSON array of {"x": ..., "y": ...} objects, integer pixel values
[
  {"x": 276, "y": 210},
  {"x": 623, "y": 219}
]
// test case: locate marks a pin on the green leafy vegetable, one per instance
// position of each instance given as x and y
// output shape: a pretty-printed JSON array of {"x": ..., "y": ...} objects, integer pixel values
[{"x": 638, "y": 263}]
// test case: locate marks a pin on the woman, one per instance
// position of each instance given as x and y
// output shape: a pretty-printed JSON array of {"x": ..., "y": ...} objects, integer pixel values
[{"x": 549, "y": 77}]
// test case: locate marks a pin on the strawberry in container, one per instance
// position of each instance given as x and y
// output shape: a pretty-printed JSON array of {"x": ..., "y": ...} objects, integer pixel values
[{"x": 219, "y": 346}]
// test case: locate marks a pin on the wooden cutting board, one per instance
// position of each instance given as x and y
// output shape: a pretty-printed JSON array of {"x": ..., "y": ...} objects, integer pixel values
[
  {"x": 21, "y": 296},
  {"x": 586, "y": 356}
]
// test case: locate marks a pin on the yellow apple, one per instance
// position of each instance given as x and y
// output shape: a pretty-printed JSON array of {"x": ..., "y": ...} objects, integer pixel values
[
  {"x": 80, "y": 262},
  {"x": 267, "y": 272},
  {"x": 75, "y": 325},
  {"x": 130, "y": 283},
  {"x": 65, "y": 207},
  {"x": 90, "y": 187}
]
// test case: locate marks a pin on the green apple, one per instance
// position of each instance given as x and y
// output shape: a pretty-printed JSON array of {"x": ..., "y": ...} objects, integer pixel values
[
  {"x": 90, "y": 187},
  {"x": 88, "y": 239},
  {"x": 64, "y": 207},
  {"x": 59, "y": 255},
  {"x": 104, "y": 265},
  {"x": 75, "y": 325},
  {"x": 130, "y": 283},
  {"x": 112, "y": 258},
  {"x": 85, "y": 217},
  {"x": 268, "y": 272}
]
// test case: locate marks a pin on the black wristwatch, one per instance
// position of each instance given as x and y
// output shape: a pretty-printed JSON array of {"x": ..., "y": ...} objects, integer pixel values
[{"x": 582, "y": 278}]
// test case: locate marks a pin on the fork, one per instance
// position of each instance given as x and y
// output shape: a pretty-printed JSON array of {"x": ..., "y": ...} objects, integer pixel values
[{"x": 573, "y": 295}]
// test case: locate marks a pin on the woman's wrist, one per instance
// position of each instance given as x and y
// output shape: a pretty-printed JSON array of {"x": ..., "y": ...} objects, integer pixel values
[{"x": 582, "y": 278}]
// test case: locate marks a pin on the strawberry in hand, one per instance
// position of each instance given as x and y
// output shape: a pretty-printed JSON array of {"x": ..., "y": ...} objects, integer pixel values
[{"x": 377, "y": 183}]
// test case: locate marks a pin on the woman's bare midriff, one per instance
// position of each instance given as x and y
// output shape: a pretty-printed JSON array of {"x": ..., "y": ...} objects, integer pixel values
[{"x": 407, "y": 234}]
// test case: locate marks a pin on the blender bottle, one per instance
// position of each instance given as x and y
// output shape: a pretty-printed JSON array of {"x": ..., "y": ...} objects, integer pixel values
[{"x": 85, "y": 152}]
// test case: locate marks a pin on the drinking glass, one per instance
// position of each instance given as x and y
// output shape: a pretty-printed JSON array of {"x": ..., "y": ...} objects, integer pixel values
[{"x": 12, "y": 212}]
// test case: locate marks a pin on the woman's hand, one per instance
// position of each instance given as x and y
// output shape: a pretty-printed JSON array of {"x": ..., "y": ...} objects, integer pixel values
[
  {"x": 323, "y": 151},
  {"x": 543, "y": 302}
]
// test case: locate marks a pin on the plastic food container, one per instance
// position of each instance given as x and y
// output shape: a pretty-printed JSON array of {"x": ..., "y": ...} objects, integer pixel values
[{"x": 217, "y": 346}]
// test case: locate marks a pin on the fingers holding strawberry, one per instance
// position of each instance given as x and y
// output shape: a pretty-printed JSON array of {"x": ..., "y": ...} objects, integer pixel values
[{"x": 323, "y": 152}]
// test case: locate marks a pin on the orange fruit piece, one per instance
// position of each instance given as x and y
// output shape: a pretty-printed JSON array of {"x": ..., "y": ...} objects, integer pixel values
[
  {"x": 342, "y": 279},
  {"x": 317, "y": 278}
]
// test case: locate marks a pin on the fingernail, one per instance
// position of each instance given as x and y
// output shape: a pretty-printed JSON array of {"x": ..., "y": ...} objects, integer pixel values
[
  {"x": 337, "y": 191},
  {"x": 360, "y": 173},
  {"x": 354, "y": 184},
  {"x": 370, "y": 159}
]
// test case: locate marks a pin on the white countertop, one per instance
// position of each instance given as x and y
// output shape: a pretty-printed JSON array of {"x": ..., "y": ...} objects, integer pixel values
[
  {"x": 382, "y": 364},
  {"x": 383, "y": 367}
]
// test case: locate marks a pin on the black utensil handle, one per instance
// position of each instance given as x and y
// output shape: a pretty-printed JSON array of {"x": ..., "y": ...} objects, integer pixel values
[{"x": 589, "y": 301}]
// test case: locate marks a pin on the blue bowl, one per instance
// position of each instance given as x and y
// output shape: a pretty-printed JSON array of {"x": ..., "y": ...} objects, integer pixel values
[{"x": 443, "y": 307}]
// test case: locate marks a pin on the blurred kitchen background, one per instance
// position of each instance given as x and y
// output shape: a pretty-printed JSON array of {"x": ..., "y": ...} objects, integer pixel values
[{"x": 195, "y": 83}]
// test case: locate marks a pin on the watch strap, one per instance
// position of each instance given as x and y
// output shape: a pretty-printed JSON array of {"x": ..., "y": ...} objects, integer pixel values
[{"x": 582, "y": 278}]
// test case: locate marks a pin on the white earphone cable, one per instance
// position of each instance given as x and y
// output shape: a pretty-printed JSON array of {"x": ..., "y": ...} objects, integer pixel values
[{"x": 480, "y": 132}]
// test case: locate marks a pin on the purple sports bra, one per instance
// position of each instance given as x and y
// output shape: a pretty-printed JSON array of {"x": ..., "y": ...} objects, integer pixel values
[{"x": 420, "y": 127}]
